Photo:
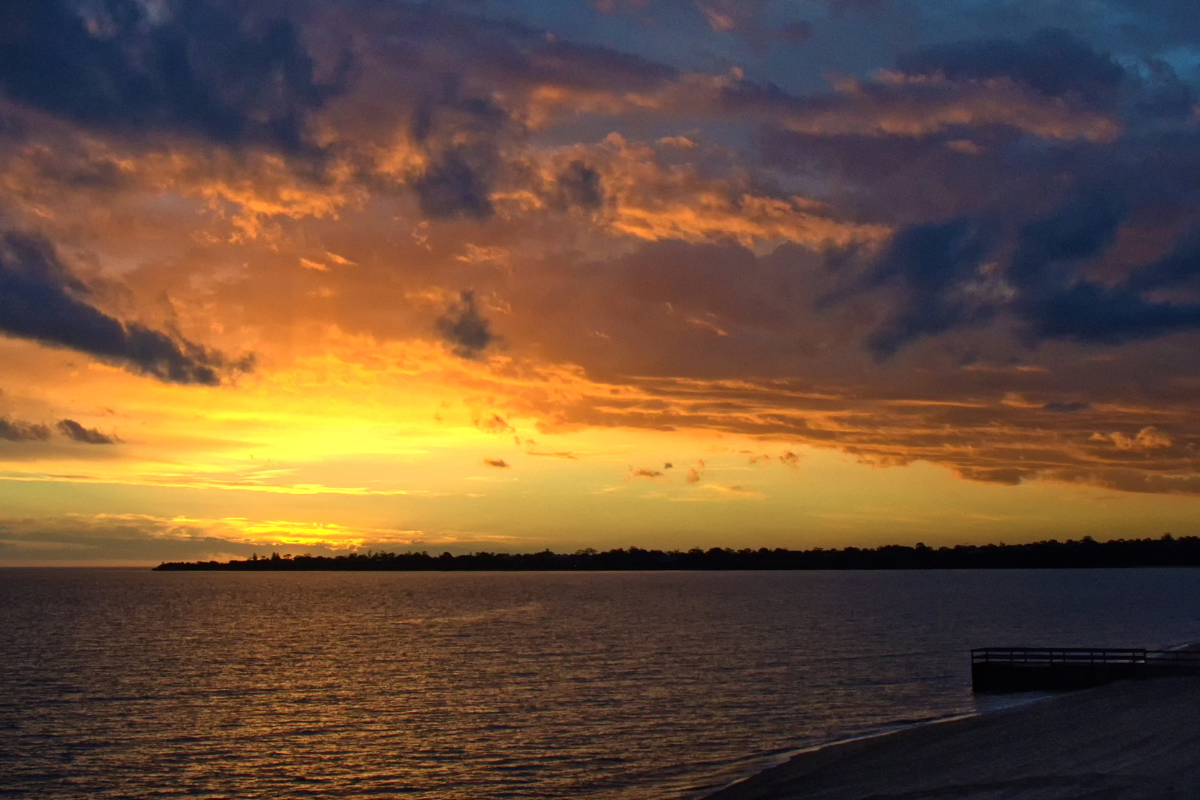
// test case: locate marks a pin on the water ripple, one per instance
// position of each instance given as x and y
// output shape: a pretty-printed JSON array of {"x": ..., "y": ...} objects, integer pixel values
[{"x": 118, "y": 684}]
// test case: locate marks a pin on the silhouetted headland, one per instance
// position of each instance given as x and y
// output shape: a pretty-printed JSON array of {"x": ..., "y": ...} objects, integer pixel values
[{"x": 1167, "y": 551}]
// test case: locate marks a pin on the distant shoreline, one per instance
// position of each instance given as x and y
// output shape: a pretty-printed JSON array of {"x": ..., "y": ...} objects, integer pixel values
[{"x": 1085, "y": 553}]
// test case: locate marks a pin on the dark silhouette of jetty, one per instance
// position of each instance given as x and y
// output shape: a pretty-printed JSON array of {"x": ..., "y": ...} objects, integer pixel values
[
  {"x": 1001, "y": 670},
  {"x": 1087, "y": 552}
]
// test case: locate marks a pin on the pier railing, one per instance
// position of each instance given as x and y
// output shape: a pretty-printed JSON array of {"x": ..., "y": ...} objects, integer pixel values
[
  {"x": 1015, "y": 669},
  {"x": 1081, "y": 655},
  {"x": 1189, "y": 657}
]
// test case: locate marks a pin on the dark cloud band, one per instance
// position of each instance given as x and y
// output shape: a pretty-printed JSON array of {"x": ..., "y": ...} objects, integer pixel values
[
  {"x": 465, "y": 329},
  {"x": 41, "y": 300},
  {"x": 76, "y": 432},
  {"x": 192, "y": 68},
  {"x": 18, "y": 431}
]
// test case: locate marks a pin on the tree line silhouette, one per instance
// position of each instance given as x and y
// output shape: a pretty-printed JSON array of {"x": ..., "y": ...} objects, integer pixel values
[{"x": 1167, "y": 551}]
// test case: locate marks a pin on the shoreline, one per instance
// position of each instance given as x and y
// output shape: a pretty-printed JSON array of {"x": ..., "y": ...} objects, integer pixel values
[
  {"x": 1052, "y": 554},
  {"x": 886, "y": 729},
  {"x": 1002, "y": 703},
  {"x": 1135, "y": 739},
  {"x": 781, "y": 759}
]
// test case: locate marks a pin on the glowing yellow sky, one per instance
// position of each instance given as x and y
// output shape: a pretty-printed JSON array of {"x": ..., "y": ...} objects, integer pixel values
[{"x": 327, "y": 454}]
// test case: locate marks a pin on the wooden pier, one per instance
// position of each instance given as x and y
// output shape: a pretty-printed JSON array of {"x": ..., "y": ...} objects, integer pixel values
[{"x": 1002, "y": 670}]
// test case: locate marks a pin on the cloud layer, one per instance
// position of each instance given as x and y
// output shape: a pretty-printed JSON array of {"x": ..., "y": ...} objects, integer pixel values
[
  {"x": 191, "y": 67},
  {"x": 980, "y": 249},
  {"x": 41, "y": 300}
]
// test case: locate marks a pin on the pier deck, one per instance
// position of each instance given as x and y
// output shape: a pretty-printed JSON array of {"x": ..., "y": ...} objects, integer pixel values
[{"x": 1030, "y": 669}]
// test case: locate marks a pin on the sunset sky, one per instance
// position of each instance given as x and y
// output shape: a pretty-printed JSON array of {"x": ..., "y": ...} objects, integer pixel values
[{"x": 315, "y": 276}]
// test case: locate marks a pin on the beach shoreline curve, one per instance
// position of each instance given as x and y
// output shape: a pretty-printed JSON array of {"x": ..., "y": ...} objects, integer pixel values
[{"x": 1130, "y": 739}]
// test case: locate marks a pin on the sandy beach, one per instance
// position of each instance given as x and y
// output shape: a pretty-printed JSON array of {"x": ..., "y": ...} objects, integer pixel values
[{"x": 1133, "y": 739}]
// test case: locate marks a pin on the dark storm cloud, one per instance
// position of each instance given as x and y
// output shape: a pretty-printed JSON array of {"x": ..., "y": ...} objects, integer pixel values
[
  {"x": 41, "y": 300},
  {"x": 932, "y": 266},
  {"x": 1051, "y": 215},
  {"x": 1066, "y": 408},
  {"x": 18, "y": 431},
  {"x": 461, "y": 133},
  {"x": 192, "y": 67},
  {"x": 1180, "y": 268},
  {"x": 1092, "y": 313},
  {"x": 1053, "y": 62},
  {"x": 1056, "y": 301},
  {"x": 948, "y": 275},
  {"x": 464, "y": 328},
  {"x": 1050, "y": 246},
  {"x": 451, "y": 187},
  {"x": 76, "y": 432},
  {"x": 579, "y": 186},
  {"x": 469, "y": 86}
]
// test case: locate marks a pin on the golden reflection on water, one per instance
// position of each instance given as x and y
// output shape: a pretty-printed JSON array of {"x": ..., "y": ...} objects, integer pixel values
[{"x": 119, "y": 683}]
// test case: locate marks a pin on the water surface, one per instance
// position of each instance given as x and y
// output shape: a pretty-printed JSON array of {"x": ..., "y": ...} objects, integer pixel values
[{"x": 654, "y": 686}]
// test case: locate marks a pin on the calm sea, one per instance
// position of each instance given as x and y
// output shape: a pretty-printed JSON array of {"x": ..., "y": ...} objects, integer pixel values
[{"x": 125, "y": 683}]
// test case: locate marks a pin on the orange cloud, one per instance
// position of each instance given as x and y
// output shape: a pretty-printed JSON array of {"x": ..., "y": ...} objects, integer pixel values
[
  {"x": 896, "y": 104},
  {"x": 645, "y": 473}
]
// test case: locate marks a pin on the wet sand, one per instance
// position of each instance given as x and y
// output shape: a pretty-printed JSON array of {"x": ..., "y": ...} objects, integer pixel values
[{"x": 1133, "y": 739}]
